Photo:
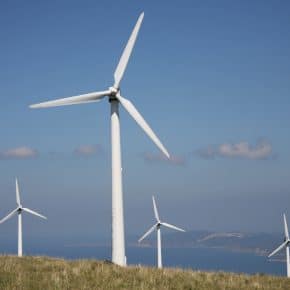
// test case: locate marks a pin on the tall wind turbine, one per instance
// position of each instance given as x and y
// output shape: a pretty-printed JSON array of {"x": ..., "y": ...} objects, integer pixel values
[
  {"x": 114, "y": 97},
  {"x": 157, "y": 226},
  {"x": 285, "y": 244},
  {"x": 19, "y": 211}
]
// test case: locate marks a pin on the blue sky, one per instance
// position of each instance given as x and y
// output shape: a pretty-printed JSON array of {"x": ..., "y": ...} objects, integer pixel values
[{"x": 211, "y": 77}]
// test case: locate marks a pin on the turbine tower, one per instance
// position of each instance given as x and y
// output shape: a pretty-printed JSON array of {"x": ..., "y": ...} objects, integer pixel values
[
  {"x": 115, "y": 98},
  {"x": 285, "y": 244},
  {"x": 157, "y": 226},
  {"x": 19, "y": 211}
]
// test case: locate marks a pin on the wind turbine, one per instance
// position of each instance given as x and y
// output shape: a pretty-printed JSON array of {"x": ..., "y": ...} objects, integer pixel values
[
  {"x": 114, "y": 97},
  {"x": 157, "y": 226},
  {"x": 19, "y": 211},
  {"x": 285, "y": 244}
]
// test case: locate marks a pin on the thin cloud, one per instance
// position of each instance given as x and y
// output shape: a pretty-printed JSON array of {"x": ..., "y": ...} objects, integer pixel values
[
  {"x": 208, "y": 152},
  {"x": 261, "y": 150},
  {"x": 88, "y": 150},
  {"x": 23, "y": 152},
  {"x": 161, "y": 158}
]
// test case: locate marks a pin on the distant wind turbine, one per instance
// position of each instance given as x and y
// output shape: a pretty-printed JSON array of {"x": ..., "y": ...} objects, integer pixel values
[
  {"x": 114, "y": 97},
  {"x": 19, "y": 211},
  {"x": 285, "y": 244},
  {"x": 157, "y": 226}
]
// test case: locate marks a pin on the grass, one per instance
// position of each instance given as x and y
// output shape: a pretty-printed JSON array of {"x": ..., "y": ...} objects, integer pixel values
[{"x": 43, "y": 273}]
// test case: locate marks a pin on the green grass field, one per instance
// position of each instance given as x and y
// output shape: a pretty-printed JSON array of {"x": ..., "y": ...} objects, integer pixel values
[{"x": 44, "y": 273}]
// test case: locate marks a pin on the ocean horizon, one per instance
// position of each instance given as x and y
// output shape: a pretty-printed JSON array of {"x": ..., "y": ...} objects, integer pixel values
[{"x": 197, "y": 259}]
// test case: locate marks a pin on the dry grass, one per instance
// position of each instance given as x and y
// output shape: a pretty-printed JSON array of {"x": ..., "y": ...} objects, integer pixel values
[{"x": 48, "y": 273}]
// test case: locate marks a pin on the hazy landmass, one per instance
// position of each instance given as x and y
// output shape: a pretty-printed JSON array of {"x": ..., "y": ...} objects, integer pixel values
[{"x": 257, "y": 243}]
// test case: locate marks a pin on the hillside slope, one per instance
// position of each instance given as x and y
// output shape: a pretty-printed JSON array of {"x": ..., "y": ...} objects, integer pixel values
[{"x": 50, "y": 273}]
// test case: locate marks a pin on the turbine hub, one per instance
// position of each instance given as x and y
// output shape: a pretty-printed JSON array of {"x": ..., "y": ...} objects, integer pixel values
[{"x": 113, "y": 93}]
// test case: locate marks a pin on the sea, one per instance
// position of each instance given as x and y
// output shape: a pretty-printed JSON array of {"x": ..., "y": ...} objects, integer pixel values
[{"x": 203, "y": 259}]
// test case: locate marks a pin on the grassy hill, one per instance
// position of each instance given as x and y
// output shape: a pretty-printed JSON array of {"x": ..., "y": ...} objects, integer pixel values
[{"x": 50, "y": 273}]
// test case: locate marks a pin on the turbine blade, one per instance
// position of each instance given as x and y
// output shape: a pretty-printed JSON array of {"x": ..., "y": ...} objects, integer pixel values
[
  {"x": 130, "y": 108},
  {"x": 278, "y": 249},
  {"x": 34, "y": 213},
  {"x": 286, "y": 227},
  {"x": 80, "y": 99},
  {"x": 11, "y": 214},
  {"x": 172, "y": 227},
  {"x": 119, "y": 72},
  {"x": 17, "y": 193},
  {"x": 155, "y": 209},
  {"x": 147, "y": 233}
]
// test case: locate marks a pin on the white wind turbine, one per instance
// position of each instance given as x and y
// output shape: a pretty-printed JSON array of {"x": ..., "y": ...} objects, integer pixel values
[
  {"x": 19, "y": 211},
  {"x": 114, "y": 97},
  {"x": 157, "y": 226},
  {"x": 285, "y": 244}
]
